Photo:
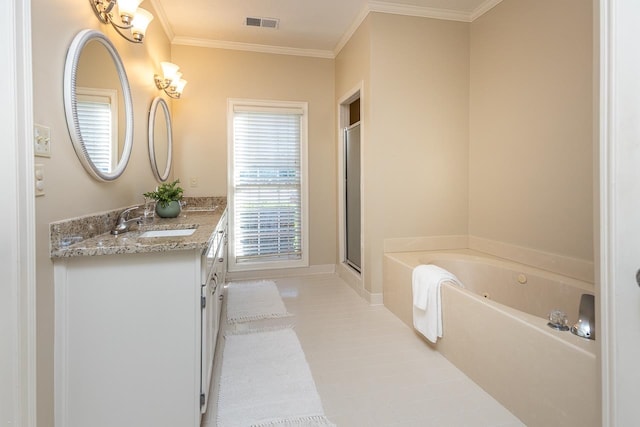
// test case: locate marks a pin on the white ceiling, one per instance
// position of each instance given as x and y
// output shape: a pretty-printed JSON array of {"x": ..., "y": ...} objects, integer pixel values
[{"x": 307, "y": 27}]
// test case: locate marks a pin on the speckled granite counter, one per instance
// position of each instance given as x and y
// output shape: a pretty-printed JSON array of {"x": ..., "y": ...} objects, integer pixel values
[{"x": 91, "y": 236}]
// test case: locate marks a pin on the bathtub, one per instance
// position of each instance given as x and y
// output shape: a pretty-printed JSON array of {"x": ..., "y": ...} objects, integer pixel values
[{"x": 495, "y": 331}]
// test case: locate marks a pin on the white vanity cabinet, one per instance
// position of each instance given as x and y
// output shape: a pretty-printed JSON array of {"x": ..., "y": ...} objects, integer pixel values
[
  {"x": 129, "y": 337},
  {"x": 212, "y": 296}
]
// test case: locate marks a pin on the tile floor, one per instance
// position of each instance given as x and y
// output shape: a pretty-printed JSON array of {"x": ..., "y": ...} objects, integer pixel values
[{"x": 370, "y": 369}]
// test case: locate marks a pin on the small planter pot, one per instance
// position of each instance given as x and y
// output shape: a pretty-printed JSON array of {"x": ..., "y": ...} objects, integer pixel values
[{"x": 171, "y": 210}]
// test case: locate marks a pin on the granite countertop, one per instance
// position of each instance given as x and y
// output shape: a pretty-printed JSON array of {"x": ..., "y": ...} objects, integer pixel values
[{"x": 204, "y": 221}]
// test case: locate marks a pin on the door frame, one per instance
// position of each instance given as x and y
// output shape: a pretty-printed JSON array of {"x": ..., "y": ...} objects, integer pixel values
[
  {"x": 18, "y": 262},
  {"x": 619, "y": 182}
]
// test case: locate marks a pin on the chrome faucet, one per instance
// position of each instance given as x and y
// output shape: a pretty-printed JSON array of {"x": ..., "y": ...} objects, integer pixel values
[
  {"x": 124, "y": 223},
  {"x": 585, "y": 327}
]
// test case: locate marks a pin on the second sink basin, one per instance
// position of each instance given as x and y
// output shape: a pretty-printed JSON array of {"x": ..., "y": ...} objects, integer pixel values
[{"x": 169, "y": 233}]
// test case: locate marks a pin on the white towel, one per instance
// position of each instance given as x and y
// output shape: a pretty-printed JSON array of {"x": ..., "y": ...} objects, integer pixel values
[{"x": 427, "y": 308}]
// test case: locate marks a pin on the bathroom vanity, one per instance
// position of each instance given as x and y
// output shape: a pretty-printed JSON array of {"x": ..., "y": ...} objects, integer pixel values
[{"x": 136, "y": 323}]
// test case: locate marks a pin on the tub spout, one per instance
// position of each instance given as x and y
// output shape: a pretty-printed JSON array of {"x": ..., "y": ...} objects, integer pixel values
[{"x": 585, "y": 327}]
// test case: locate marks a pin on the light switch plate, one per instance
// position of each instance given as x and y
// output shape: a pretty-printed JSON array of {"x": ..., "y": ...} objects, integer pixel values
[{"x": 42, "y": 141}]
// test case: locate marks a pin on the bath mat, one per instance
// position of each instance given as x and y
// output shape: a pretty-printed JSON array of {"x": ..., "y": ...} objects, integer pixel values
[
  {"x": 265, "y": 381},
  {"x": 247, "y": 301}
]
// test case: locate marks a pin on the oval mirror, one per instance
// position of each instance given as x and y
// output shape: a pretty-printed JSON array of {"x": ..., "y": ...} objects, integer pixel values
[
  {"x": 160, "y": 139},
  {"x": 98, "y": 105}
]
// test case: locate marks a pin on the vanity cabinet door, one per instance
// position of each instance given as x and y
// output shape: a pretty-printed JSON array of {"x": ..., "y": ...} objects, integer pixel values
[
  {"x": 209, "y": 333},
  {"x": 127, "y": 340}
]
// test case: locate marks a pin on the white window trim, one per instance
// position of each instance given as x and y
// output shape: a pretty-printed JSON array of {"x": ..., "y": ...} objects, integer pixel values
[
  {"x": 111, "y": 95},
  {"x": 234, "y": 104}
]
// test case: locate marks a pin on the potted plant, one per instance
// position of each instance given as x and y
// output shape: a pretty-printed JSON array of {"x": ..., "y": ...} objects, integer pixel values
[{"x": 167, "y": 197}]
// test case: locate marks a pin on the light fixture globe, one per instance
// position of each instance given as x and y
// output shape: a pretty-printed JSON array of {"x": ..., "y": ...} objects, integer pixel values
[
  {"x": 140, "y": 23},
  {"x": 171, "y": 80},
  {"x": 169, "y": 70},
  {"x": 127, "y": 9},
  {"x": 180, "y": 86}
]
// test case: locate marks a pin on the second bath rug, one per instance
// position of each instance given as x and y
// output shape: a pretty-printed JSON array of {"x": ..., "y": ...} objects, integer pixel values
[{"x": 249, "y": 301}]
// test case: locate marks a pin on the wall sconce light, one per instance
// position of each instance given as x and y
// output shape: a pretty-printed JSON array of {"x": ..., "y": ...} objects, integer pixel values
[
  {"x": 171, "y": 81},
  {"x": 132, "y": 17}
]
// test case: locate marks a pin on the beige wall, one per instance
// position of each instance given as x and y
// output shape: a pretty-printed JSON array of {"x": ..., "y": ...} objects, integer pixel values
[
  {"x": 70, "y": 191},
  {"x": 415, "y": 141},
  {"x": 419, "y": 138},
  {"x": 353, "y": 66},
  {"x": 531, "y": 106},
  {"x": 214, "y": 76}
]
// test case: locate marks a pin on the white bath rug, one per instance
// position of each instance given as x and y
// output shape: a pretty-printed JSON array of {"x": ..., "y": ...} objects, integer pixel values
[
  {"x": 248, "y": 301},
  {"x": 266, "y": 381}
]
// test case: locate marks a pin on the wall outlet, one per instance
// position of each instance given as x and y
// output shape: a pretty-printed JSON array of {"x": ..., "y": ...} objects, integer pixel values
[
  {"x": 42, "y": 141},
  {"x": 193, "y": 182},
  {"x": 39, "y": 179}
]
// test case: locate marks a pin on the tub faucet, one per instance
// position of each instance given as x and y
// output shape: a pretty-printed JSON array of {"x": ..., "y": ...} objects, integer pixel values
[
  {"x": 124, "y": 223},
  {"x": 586, "y": 325}
]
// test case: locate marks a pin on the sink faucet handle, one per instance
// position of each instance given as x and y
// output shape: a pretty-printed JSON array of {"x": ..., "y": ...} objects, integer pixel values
[
  {"x": 124, "y": 222},
  {"x": 124, "y": 215}
]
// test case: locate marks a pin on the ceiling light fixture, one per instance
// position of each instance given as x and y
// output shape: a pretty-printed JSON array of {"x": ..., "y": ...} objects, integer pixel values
[
  {"x": 171, "y": 80},
  {"x": 131, "y": 16}
]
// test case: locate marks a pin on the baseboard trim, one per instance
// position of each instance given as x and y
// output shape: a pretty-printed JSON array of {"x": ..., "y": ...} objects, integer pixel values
[
  {"x": 354, "y": 280},
  {"x": 375, "y": 299}
]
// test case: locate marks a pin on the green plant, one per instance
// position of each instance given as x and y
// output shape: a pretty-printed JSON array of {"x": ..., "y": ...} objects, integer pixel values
[{"x": 166, "y": 193}]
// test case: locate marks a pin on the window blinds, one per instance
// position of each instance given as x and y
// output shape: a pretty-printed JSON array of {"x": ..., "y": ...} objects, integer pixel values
[
  {"x": 267, "y": 184},
  {"x": 96, "y": 127}
]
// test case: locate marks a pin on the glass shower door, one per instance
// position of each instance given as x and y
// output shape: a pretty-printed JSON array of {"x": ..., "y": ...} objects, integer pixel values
[{"x": 352, "y": 196}]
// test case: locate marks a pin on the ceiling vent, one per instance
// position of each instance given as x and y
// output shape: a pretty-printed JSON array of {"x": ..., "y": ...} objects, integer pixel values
[{"x": 261, "y": 22}]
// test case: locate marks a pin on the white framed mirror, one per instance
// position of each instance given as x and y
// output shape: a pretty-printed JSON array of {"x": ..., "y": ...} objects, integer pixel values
[
  {"x": 98, "y": 105},
  {"x": 160, "y": 139}
]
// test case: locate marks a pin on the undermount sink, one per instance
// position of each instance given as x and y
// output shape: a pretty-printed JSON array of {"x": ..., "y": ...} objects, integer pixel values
[{"x": 169, "y": 233}]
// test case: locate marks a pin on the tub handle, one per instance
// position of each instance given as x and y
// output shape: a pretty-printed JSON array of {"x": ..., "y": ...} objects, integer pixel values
[{"x": 558, "y": 320}]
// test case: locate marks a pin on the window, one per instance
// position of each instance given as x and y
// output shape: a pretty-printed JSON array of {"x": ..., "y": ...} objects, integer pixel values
[
  {"x": 267, "y": 185},
  {"x": 98, "y": 119}
]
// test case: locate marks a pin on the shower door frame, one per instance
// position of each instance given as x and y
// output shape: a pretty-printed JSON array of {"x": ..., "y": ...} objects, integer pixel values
[{"x": 347, "y": 272}]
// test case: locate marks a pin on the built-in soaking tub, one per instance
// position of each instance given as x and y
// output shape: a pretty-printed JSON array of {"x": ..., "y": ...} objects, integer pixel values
[{"x": 495, "y": 330}]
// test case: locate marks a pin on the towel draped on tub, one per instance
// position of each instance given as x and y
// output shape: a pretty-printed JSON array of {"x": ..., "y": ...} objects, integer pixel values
[{"x": 427, "y": 306}]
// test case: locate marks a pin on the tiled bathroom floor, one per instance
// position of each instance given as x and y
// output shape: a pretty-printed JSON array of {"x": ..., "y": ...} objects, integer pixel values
[{"x": 370, "y": 369}]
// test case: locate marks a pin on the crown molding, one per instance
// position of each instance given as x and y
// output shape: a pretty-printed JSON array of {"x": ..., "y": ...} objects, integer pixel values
[
  {"x": 351, "y": 30},
  {"x": 251, "y": 47},
  {"x": 484, "y": 8},
  {"x": 423, "y": 12},
  {"x": 164, "y": 21},
  {"x": 409, "y": 10}
]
